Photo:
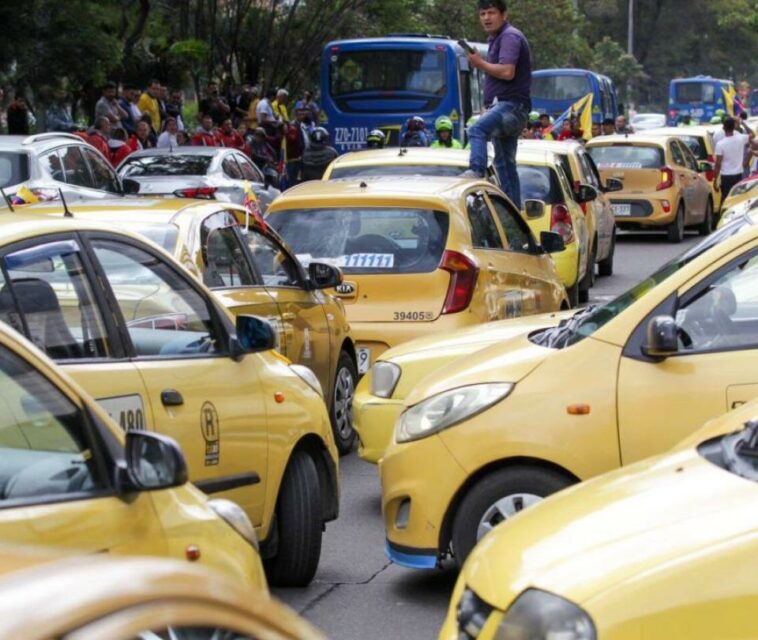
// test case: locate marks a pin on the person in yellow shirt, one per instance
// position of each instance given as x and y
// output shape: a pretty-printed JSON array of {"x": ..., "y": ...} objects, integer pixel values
[
  {"x": 252, "y": 117},
  {"x": 148, "y": 103},
  {"x": 280, "y": 105}
]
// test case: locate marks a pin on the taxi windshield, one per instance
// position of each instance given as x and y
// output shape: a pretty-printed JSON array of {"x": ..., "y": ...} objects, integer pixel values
[
  {"x": 627, "y": 156},
  {"x": 365, "y": 240}
]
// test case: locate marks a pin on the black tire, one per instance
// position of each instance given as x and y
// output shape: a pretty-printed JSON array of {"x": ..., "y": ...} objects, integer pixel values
[
  {"x": 500, "y": 484},
  {"x": 675, "y": 230},
  {"x": 341, "y": 406},
  {"x": 605, "y": 266},
  {"x": 299, "y": 525},
  {"x": 589, "y": 275},
  {"x": 706, "y": 226}
]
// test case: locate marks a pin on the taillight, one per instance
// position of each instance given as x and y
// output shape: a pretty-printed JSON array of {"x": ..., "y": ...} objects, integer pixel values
[
  {"x": 205, "y": 193},
  {"x": 463, "y": 275},
  {"x": 673, "y": 113},
  {"x": 560, "y": 222},
  {"x": 667, "y": 179},
  {"x": 709, "y": 175}
]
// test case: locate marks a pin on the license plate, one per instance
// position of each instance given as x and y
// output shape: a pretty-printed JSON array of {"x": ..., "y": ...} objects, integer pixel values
[
  {"x": 622, "y": 209},
  {"x": 364, "y": 360}
]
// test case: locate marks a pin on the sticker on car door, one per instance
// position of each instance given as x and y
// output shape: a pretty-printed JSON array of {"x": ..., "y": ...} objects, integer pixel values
[
  {"x": 211, "y": 430},
  {"x": 127, "y": 410}
]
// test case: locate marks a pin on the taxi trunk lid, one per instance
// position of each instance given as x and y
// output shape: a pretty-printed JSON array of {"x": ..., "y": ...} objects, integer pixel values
[{"x": 641, "y": 167}]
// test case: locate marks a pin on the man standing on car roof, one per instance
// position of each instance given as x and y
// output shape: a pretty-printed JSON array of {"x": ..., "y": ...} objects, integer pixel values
[{"x": 507, "y": 97}]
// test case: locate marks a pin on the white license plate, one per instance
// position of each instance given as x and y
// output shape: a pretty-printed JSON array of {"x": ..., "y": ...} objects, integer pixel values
[
  {"x": 364, "y": 360},
  {"x": 622, "y": 209}
]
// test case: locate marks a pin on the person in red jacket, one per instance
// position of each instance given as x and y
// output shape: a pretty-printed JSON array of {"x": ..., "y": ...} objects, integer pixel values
[
  {"x": 228, "y": 136},
  {"x": 205, "y": 136},
  {"x": 121, "y": 146},
  {"x": 99, "y": 135}
]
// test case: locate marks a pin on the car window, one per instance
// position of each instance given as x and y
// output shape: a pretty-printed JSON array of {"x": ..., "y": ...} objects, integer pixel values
[
  {"x": 276, "y": 266},
  {"x": 223, "y": 253},
  {"x": 676, "y": 153},
  {"x": 75, "y": 169},
  {"x": 165, "y": 316},
  {"x": 51, "y": 162},
  {"x": 46, "y": 295},
  {"x": 517, "y": 234},
  {"x": 249, "y": 170},
  {"x": 625, "y": 155},
  {"x": 231, "y": 170},
  {"x": 484, "y": 233},
  {"x": 539, "y": 183},
  {"x": 104, "y": 177},
  {"x": 165, "y": 164},
  {"x": 14, "y": 168},
  {"x": 43, "y": 447},
  {"x": 590, "y": 175},
  {"x": 689, "y": 157},
  {"x": 568, "y": 171}
]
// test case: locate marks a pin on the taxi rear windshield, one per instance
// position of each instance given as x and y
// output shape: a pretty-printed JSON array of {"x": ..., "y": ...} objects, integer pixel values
[
  {"x": 166, "y": 165},
  {"x": 627, "y": 156},
  {"x": 378, "y": 171},
  {"x": 366, "y": 240},
  {"x": 539, "y": 183}
]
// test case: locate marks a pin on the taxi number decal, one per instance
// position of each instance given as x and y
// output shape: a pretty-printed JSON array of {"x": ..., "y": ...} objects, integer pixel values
[
  {"x": 128, "y": 411},
  {"x": 406, "y": 316},
  {"x": 371, "y": 260}
]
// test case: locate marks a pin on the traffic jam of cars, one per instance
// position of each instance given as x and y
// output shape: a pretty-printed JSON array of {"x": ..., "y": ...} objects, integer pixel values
[{"x": 187, "y": 353}]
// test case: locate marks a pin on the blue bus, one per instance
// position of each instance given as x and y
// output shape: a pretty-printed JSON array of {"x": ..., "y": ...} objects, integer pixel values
[
  {"x": 698, "y": 97},
  {"x": 378, "y": 83},
  {"x": 753, "y": 102},
  {"x": 555, "y": 90}
]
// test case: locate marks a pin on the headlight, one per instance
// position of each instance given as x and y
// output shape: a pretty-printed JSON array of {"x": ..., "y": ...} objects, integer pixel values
[
  {"x": 308, "y": 377},
  {"x": 384, "y": 378},
  {"x": 448, "y": 408},
  {"x": 231, "y": 513},
  {"x": 539, "y": 614}
]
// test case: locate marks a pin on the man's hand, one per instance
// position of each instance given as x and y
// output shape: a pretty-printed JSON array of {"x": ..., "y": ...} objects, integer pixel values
[{"x": 475, "y": 60}]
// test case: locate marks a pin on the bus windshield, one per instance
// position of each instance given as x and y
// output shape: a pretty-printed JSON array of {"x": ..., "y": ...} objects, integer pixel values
[
  {"x": 686, "y": 92},
  {"x": 560, "y": 87}
]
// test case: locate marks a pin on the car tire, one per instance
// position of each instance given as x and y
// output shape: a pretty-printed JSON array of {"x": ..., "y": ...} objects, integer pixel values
[
  {"x": 589, "y": 276},
  {"x": 706, "y": 226},
  {"x": 341, "y": 407},
  {"x": 299, "y": 525},
  {"x": 572, "y": 293},
  {"x": 675, "y": 230},
  {"x": 605, "y": 266},
  {"x": 495, "y": 497}
]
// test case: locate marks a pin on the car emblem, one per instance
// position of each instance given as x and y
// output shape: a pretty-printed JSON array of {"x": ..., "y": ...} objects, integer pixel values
[{"x": 345, "y": 289}]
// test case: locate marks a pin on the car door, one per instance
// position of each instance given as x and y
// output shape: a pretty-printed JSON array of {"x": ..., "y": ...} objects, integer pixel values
[
  {"x": 686, "y": 181},
  {"x": 253, "y": 175},
  {"x": 231, "y": 186},
  {"x": 55, "y": 476},
  {"x": 104, "y": 178},
  {"x": 211, "y": 404},
  {"x": 715, "y": 369},
  {"x": 600, "y": 205},
  {"x": 49, "y": 294},
  {"x": 701, "y": 188}
]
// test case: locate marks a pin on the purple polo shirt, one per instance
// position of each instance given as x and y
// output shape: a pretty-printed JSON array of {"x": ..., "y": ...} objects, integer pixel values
[{"x": 509, "y": 47}]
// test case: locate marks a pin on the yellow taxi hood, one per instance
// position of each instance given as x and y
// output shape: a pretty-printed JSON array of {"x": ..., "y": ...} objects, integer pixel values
[
  {"x": 622, "y": 525},
  {"x": 507, "y": 361}
]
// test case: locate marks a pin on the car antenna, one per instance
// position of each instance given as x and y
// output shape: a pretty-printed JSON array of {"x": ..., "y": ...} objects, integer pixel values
[
  {"x": 403, "y": 151},
  {"x": 8, "y": 201},
  {"x": 66, "y": 212}
]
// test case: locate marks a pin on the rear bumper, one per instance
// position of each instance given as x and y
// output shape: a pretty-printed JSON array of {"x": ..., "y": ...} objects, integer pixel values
[{"x": 650, "y": 211}]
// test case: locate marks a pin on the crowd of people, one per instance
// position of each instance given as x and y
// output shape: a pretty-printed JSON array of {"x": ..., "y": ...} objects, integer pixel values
[{"x": 541, "y": 126}]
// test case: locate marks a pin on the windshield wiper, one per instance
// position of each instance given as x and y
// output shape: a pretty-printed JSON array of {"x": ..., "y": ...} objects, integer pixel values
[
  {"x": 747, "y": 446},
  {"x": 567, "y": 327},
  {"x": 739, "y": 452}
]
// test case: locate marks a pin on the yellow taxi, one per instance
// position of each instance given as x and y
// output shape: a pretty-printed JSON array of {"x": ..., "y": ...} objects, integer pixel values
[
  {"x": 153, "y": 346},
  {"x": 746, "y": 189},
  {"x": 44, "y": 596},
  {"x": 664, "y": 185},
  {"x": 665, "y": 549},
  {"x": 252, "y": 271},
  {"x": 495, "y": 432},
  {"x": 69, "y": 477},
  {"x": 746, "y": 207},
  {"x": 420, "y": 255}
]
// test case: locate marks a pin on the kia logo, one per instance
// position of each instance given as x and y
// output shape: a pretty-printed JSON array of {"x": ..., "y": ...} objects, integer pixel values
[{"x": 346, "y": 288}]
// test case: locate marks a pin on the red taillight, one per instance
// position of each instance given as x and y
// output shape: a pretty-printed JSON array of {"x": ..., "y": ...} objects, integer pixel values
[
  {"x": 667, "y": 179},
  {"x": 205, "y": 193},
  {"x": 709, "y": 175},
  {"x": 560, "y": 222},
  {"x": 463, "y": 275},
  {"x": 673, "y": 113}
]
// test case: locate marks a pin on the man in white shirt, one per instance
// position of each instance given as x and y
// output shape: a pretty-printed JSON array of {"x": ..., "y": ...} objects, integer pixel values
[{"x": 730, "y": 156}]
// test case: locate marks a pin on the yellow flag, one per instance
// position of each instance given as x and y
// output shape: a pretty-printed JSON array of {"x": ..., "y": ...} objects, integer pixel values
[
  {"x": 24, "y": 195},
  {"x": 729, "y": 94}
]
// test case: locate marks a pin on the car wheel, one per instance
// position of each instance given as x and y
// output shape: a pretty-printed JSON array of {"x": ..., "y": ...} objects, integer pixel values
[
  {"x": 299, "y": 525},
  {"x": 605, "y": 266},
  {"x": 706, "y": 226},
  {"x": 497, "y": 497},
  {"x": 341, "y": 413},
  {"x": 589, "y": 276},
  {"x": 675, "y": 229}
]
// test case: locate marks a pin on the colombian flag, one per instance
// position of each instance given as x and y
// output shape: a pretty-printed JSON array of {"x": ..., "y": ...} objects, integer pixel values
[
  {"x": 24, "y": 195},
  {"x": 581, "y": 109},
  {"x": 252, "y": 207},
  {"x": 732, "y": 101}
]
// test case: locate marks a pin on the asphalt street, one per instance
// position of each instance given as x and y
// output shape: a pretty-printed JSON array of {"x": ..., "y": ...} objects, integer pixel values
[{"x": 357, "y": 592}]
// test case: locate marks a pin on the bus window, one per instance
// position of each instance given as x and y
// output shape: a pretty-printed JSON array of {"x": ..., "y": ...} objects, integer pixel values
[
  {"x": 695, "y": 92},
  {"x": 560, "y": 87}
]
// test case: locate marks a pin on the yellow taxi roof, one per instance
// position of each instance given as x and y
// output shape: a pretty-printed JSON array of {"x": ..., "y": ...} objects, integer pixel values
[
  {"x": 541, "y": 155},
  {"x": 397, "y": 156},
  {"x": 556, "y": 146},
  {"x": 678, "y": 131},
  {"x": 641, "y": 139}
]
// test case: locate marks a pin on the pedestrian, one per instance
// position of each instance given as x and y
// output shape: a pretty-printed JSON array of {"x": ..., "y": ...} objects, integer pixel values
[
  {"x": 730, "y": 155},
  {"x": 261, "y": 151},
  {"x": 108, "y": 107},
  {"x": 182, "y": 139},
  {"x": 252, "y": 118},
  {"x": 228, "y": 136},
  {"x": 443, "y": 126},
  {"x": 143, "y": 138},
  {"x": 608, "y": 127},
  {"x": 213, "y": 105},
  {"x": 295, "y": 142},
  {"x": 279, "y": 105},
  {"x": 621, "y": 127},
  {"x": 120, "y": 146},
  {"x": 162, "y": 100},
  {"x": 58, "y": 116},
  {"x": 415, "y": 134},
  {"x": 264, "y": 112},
  {"x": 167, "y": 139},
  {"x": 128, "y": 102},
  {"x": 175, "y": 108},
  {"x": 566, "y": 130},
  {"x": 318, "y": 155},
  {"x": 307, "y": 102},
  {"x": 529, "y": 131},
  {"x": 148, "y": 104},
  {"x": 241, "y": 105},
  {"x": 205, "y": 135},
  {"x": 152, "y": 133},
  {"x": 99, "y": 135},
  {"x": 507, "y": 96},
  {"x": 375, "y": 139},
  {"x": 596, "y": 131},
  {"x": 18, "y": 115}
]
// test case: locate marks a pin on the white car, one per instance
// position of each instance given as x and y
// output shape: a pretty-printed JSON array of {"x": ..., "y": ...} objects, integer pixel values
[{"x": 642, "y": 121}]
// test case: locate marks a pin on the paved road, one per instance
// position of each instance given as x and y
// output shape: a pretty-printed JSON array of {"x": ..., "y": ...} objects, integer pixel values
[{"x": 357, "y": 593}]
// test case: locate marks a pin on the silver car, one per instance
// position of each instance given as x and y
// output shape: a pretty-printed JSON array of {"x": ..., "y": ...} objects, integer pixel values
[
  {"x": 218, "y": 173},
  {"x": 48, "y": 162}
]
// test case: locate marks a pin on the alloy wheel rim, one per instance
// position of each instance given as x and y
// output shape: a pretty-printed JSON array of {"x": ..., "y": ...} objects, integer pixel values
[
  {"x": 504, "y": 508},
  {"x": 344, "y": 389}
]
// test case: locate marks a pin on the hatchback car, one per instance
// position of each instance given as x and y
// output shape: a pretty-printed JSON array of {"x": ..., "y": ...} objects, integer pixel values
[
  {"x": 218, "y": 173},
  {"x": 664, "y": 185},
  {"x": 47, "y": 163},
  {"x": 419, "y": 255},
  {"x": 158, "y": 352}
]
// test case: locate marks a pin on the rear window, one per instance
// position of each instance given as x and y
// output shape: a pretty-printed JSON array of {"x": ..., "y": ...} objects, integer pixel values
[
  {"x": 685, "y": 92},
  {"x": 14, "y": 168},
  {"x": 539, "y": 183},
  {"x": 395, "y": 170},
  {"x": 166, "y": 165},
  {"x": 365, "y": 240},
  {"x": 164, "y": 235},
  {"x": 627, "y": 156}
]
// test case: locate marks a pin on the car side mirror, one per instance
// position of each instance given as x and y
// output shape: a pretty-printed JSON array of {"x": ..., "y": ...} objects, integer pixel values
[
  {"x": 552, "y": 242},
  {"x": 130, "y": 187},
  {"x": 324, "y": 276},
  {"x": 661, "y": 340},
  {"x": 586, "y": 193},
  {"x": 534, "y": 209},
  {"x": 253, "y": 334},
  {"x": 154, "y": 461},
  {"x": 703, "y": 166},
  {"x": 613, "y": 184}
]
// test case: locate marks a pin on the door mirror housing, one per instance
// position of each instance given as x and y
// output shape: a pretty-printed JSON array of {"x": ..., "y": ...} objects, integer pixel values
[
  {"x": 552, "y": 242},
  {"x": 130, "y": 186},
  {"x": 613, "y": 184},
  {"x": 661, "y": 340},
  {"x": 703, "y": 166},
  {"x": 586, "y": 193},
  {"x": 534, "y": 209},
  {"x": 253, "y": 334},
  {"x": 324, "y": 276},
  {"x": 154, "y": 461}
]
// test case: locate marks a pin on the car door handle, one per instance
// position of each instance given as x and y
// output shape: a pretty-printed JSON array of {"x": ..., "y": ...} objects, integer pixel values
[
  {"x": 289, "y": 316},
  {"x": 491, "y": 268},
  {"x": 171, "y": 398}
]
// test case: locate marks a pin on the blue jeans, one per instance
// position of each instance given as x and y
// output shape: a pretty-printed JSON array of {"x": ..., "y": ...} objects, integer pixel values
[{"x": 503, "y": 124}]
